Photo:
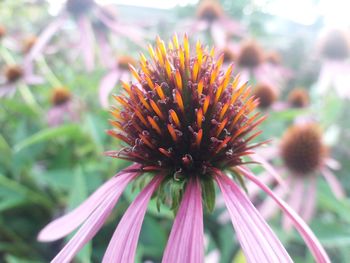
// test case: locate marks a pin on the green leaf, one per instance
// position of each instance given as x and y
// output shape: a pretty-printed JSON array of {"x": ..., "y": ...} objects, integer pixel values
[
  {"x": 48, "y": 134},
  {"x": 208, "y": 192}
]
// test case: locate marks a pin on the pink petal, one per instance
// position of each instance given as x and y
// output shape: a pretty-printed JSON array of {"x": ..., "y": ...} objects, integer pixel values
[
  {"x": 106, "y": 86},
  {"x": 334, "y": 183},
  {"x": 310, "y": 201},
  {"x": 333, "y": 164},
  {"x": 105, "y": 52},
  {"x": 218, "y": 35},
  {"x": 295, "y": 201},
  {"x": 267, "y": 166},
  {"x": 309, "y": 237},
  {"x": 258, "y": 241},
  {"x": 186, "y": 242},
  {"x": 45, "y": 37},
  {"x": 122, "y": 247},
  {"x": 87, "y": 42},
  {"x": 269, "y": 207},
  {"x": 253, "y": 190},
  {"x": 69, "y": 222},
  {"x": 7, "y": 89}
]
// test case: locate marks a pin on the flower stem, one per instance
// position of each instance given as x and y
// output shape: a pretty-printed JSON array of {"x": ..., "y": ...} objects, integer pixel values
[{"x": 50, "y": 76}]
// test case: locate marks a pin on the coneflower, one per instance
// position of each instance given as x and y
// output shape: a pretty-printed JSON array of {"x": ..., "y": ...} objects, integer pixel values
[
  {"x": 273, "y": 57},
  {"x": 119, "y": 71},
  {"x": 305, "y": 156},
  {"x": 188, "y": 125},
  {"x": 250, "y": 55},
  {"x": 298, "y": 98},
  {"x": 212, "y": 18},
  {"x": 84, "y": 13},
  {"x": 266, "y": 94},
  {"x": 335, "y": 68},
  {"x": 63, "y": 108},
  {"x": 15, "y": 74}
]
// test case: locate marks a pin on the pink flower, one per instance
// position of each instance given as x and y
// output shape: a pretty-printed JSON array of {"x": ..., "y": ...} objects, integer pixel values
[
  {"x": 305, "y": 157},
  {"x": 93, "y": 23},
  {"x": 176, "y": 126},
  {"x": 15, "y": 75}
]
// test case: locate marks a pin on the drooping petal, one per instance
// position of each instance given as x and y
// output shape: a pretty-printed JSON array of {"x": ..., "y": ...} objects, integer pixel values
[
  {"x": 269, "y": 207},
  {"x": 268, "y": 167},
  {"x": 258, "y": 241},
  {"x": 334, "y": 183},
  {"x": 107, "y": 84},
  {"x": 309, "y": 237},
  {"x": 186, "y": 241},
  {"x": 69, "y": 222},
  {"x": 122, "y": 247},
  {"x": 45, "y": 37},
  {"x": 295, "y": 201},
  {"x": 104, "y": 51},
  {"x": 90, "y": 227},
  {"x": 310, "y": 201},
  {"x": 86, "y": 42},
  {"x": 7, "y": 89}
]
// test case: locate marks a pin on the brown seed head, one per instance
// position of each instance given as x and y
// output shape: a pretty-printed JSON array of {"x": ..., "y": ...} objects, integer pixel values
[
  {"x": 266, "y": 94},
  {"x": 302, "y": 149},
  {"x": 229, "y": 55},
  {"x": 28, "y": 43},
  {"x": 79, "y": 7},
  {"x": 184, "y": 115},
  {"x": 335, "y": 45},
  {"x": 13, "y": 73},
  {"x": 250, "y": 55},
  {"x": 124, "y": 61},
  {"x": 298, "y": 98},
  {"x": 209, "y": 10},
  {"x": 60, "y": 96}
]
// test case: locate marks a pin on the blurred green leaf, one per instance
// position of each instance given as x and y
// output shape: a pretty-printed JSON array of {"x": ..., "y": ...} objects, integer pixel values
[{"x": 48, "y": 134}]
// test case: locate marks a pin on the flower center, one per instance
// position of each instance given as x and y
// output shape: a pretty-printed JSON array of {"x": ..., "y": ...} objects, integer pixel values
[
  {"x": 60, "y": 96},
  {"x": 250, "y": 55},
  {"x": 79, "y": 7},
  {"x": 185, "y": 115},
  {"x": 335, "y": 45},
  {"x": 266, "y": 94},
  {"x": 13, "y": 73},
  {"x": 209, "y": 10},
  {"x": 302, "y": 149},
  {"x": 28, "y": 43},
  {"x": 124, "y": 61},
  {"x": 298, "y": 98}
]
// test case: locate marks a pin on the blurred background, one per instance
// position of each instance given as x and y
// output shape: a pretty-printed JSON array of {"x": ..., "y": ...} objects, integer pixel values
[{"x": 62, "y": 60}]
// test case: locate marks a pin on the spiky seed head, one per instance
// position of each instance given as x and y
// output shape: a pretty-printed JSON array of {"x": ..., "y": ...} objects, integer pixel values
[
  {"x": 266, "y": 94},
  {"x": 335, "y": 45},
  {"x": 298, "y": 98},
  {"x": 79, "y": 7},
  {"x": 28, "y": 43},
  {"x": 250, "y": 55},
  {"x": 184, "y": 115},
  {"x": 209, "y": 10},
  {"x": 13, "y": 73},
  {"x": 273, "y": 57},
  {"x": 60, "y": 96},
  {"x": 302, "y": 148},
  {"x": 124, "y": 61}
]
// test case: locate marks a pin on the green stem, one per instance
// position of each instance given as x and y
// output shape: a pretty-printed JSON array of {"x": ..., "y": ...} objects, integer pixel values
[
  {"x": 7, "y": 56},
  {"x": 50, "y": 76},
  {"x": 28, "y": 97}
]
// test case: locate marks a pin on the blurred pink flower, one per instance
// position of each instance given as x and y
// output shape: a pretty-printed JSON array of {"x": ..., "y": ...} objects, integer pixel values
[
  {"x": 119, "y": 71},
  {"x": 64, "y": 108},
  {"x": 16, "y": 74},
  {"x": 211, "y": 17},
  {"x": 305, "y": 157},
  {"x": 93, "y": 23}
]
